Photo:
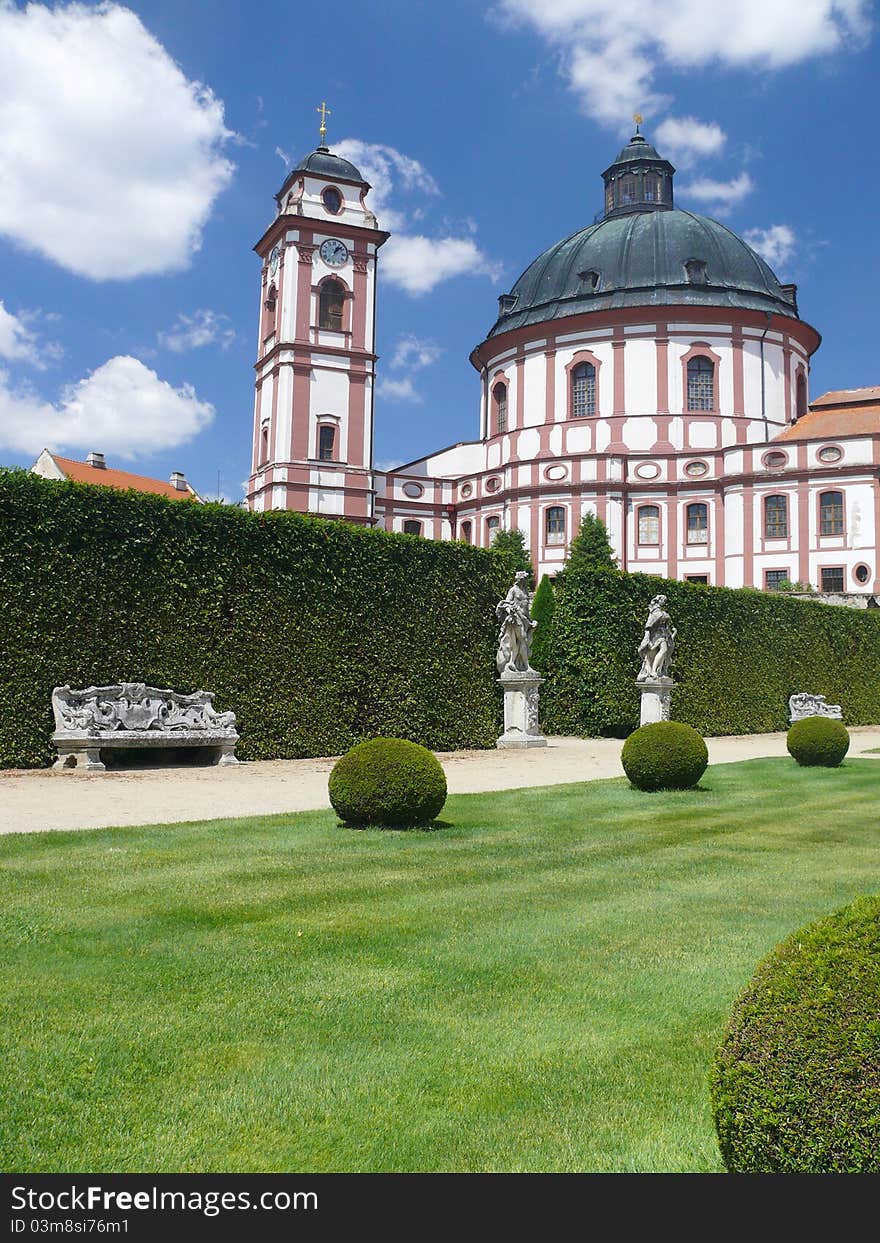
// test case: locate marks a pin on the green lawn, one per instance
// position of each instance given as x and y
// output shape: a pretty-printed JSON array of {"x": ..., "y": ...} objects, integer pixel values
[{"x": 540, "y": 985}]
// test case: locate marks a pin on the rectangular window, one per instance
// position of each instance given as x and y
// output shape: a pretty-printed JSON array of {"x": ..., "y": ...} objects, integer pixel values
[
  {"x": 832, "y": 578},
  {"x": 697, "y": 524},
  {"x": 772, "y": 579},
  {"x": 649, "y": 525},
  {"x": 326, "y": 438},
  {"x": 776, "y": 517},
  {"x": 831, "y": 513},
  {"x": 697, "y": 578}
]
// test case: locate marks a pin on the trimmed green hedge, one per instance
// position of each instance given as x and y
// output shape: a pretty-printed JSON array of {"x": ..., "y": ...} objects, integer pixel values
[
  {"x": 796, "y": 1083},
  {"x": 739, "y": 655},
  {"x": 318, "y": 634}
]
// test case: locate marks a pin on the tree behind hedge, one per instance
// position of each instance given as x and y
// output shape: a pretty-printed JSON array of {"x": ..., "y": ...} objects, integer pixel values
[
  {"x": 591, "y": 548},
  {"x": 543, "y": 608},
  {"x": 512, "y": 544}
]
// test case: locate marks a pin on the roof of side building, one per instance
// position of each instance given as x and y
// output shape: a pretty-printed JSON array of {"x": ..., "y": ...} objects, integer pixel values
[
  {"x": 847, "y": 412},
  {"x": 106, "y": 477}
]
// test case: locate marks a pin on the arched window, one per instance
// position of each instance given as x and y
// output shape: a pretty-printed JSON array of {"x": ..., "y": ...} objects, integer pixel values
[
  {"x": 466, "y": 532},
  {"x": 330, "y": 303},
  {"x": 264, "y": 443},
  {"x": 411, "y": 527},
  {"x": 701, "y": 383},
  {"x": 831, "y": 513},
  {"x": 697, "y": 523},
  {"x": 649, "y": 524},
  {"x": 555, "y": 524},
  {"x": 583, "y": 391},
  {"x": 801, "y": 403},
  {"x": 326, "y": 442},
  {"x": 492, "y": 525},
  {"x": 775, "y": 517},
  {"x": 332, "y": 200},
  {"x": 499, "y": 396}
]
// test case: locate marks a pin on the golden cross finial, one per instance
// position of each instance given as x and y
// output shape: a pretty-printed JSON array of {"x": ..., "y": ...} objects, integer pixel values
[
  {"x": 325, "y": 113},
  {"x": 638, "y": 118}
]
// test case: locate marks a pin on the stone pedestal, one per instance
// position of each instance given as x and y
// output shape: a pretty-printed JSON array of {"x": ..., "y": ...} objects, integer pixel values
[
  {"x": 521, "y": 710},
  {"x": 656, "y": 699}
]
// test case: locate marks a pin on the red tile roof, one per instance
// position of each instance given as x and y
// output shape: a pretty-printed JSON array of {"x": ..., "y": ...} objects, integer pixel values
[
  {"x": 848, "y": 412},
  {"x": 81, "y": 472}
]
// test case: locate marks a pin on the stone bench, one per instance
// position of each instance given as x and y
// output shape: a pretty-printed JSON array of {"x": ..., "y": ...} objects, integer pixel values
[
  {"x": 803, "y": 705},
  {"x": 133, "y": 715}
]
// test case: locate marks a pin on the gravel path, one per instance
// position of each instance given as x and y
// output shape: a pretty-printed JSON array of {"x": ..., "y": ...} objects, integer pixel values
[{"x": 37, "y": 800}]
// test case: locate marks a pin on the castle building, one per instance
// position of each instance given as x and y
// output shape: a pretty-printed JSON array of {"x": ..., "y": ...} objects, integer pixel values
[{"x": 650, "y": 369}]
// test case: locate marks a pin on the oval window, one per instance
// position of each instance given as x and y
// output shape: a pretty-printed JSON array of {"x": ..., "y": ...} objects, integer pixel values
[
  {"x": 493, "y": 484},
  {"x": 647, "y": 470},
  {"x": 830, "y": 453},
  {"x": 413, "y": 489},
  {"x": 695, "y": 469},
  {"x": 861, "y": 574},
  {"x": 332, "y": 199},
  {"x": 555, "y": 472},
  {"x": 466, "y": 489},
  {"x": 775, "y": 460}
]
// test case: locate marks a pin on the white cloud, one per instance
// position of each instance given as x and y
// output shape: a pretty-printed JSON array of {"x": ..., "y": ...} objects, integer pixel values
[
  {"x": 775, "y": 244},
  {"x": 721, "y": 195},
  {"x": 413, "y": 262},
  {"x": 412, "y": 354},
  {"x": 398, "y": 390},
  {"x": 204, "y": 327},
  {"x": 610, "y": 49},
  {"x": 19, "y": 341},
  {"x": 282, "y": 155},
  {"x": 685, "y": 139},
  {"x": 110, "y": 158},
  {"x": 417, "y": 264},
  {"x": 122, "y": 407}
]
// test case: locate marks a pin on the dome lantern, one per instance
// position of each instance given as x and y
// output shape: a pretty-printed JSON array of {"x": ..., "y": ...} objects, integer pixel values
[{"x": 638, "y": 180}]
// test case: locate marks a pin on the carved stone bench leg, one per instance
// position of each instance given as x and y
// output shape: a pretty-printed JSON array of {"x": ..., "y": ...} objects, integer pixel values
[
  {"x": 226, "y": 755},
  {"x": 90, "y": 760}
]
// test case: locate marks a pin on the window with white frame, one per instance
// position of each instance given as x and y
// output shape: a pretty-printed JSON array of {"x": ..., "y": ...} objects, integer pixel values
[
  {"x": 698, "y": 523},
  {"x": 555, "y": 524},
  {"x": 649, "y": 524}
]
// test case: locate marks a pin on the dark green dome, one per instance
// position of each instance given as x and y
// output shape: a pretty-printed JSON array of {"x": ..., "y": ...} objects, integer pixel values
[
  {"x": 646, "y": 258},
  {"x": 325, "y": 164}
]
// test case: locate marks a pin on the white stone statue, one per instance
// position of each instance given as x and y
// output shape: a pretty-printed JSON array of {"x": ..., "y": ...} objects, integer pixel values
[
  {"x": 517, "y": 629},
  {"x": 658, "y": 644},
  {"x": 804, "y": 704}
]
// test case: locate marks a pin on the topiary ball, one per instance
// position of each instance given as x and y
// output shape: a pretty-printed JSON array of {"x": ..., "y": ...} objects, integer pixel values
[
  {"x": 387, "y": 782},
  {"x": 818, "y": 740},
  {"x": 796, "y": 1082},
  {"x": 664, "y": 756}
]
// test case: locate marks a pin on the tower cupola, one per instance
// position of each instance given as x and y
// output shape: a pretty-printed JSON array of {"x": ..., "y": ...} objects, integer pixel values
[{"x": 638, "y": 180}]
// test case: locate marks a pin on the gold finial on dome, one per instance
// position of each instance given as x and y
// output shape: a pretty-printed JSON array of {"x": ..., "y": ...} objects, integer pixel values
[
  {"x": 638, "y": 118},
  {"x": 325, "y": 113}
]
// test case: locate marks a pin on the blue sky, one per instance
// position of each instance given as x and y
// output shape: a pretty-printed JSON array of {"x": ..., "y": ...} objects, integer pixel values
[{"x": 141, "y": 146}]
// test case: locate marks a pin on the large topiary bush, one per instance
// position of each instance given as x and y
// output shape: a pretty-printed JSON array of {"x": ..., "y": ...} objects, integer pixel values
[
  {"x": 796, "y": 1082},
  {"x": 818, "y": 741},
  {"x": 388, "y": 782},
  {"x": 664, "y": 756}
]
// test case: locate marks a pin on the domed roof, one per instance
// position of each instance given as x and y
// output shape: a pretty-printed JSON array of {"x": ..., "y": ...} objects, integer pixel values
[
  {"x": 644, "y": 258},
  {"x": 325, "y": 164},
  {"x": 638, "y": 148}
]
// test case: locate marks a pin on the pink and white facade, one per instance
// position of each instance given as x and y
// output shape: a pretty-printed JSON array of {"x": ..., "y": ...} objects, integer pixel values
[{"x": 650, "y": 370}]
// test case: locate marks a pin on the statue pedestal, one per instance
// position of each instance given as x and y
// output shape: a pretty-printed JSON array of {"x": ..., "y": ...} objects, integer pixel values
[
  {"x": 656, "y": 699},
  {"x": 521, "y": 710}
]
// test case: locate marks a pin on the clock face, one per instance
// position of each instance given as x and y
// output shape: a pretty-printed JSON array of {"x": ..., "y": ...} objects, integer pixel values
[
  {"x": 273, "y": 260},
  {"x": 334, "y": 252}
]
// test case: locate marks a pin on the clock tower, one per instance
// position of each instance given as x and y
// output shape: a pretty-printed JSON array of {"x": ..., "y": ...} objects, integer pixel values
[{"x": 316, "y": 361}]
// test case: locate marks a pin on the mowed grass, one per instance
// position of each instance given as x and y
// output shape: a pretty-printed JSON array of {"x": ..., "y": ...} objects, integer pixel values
[{"x": 540, "y": 985}]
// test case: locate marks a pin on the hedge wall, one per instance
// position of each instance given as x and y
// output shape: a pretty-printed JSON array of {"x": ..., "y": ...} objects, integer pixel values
[
  {"x": 317, "y": 633},
  {"x": 739, "y": 656}
]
